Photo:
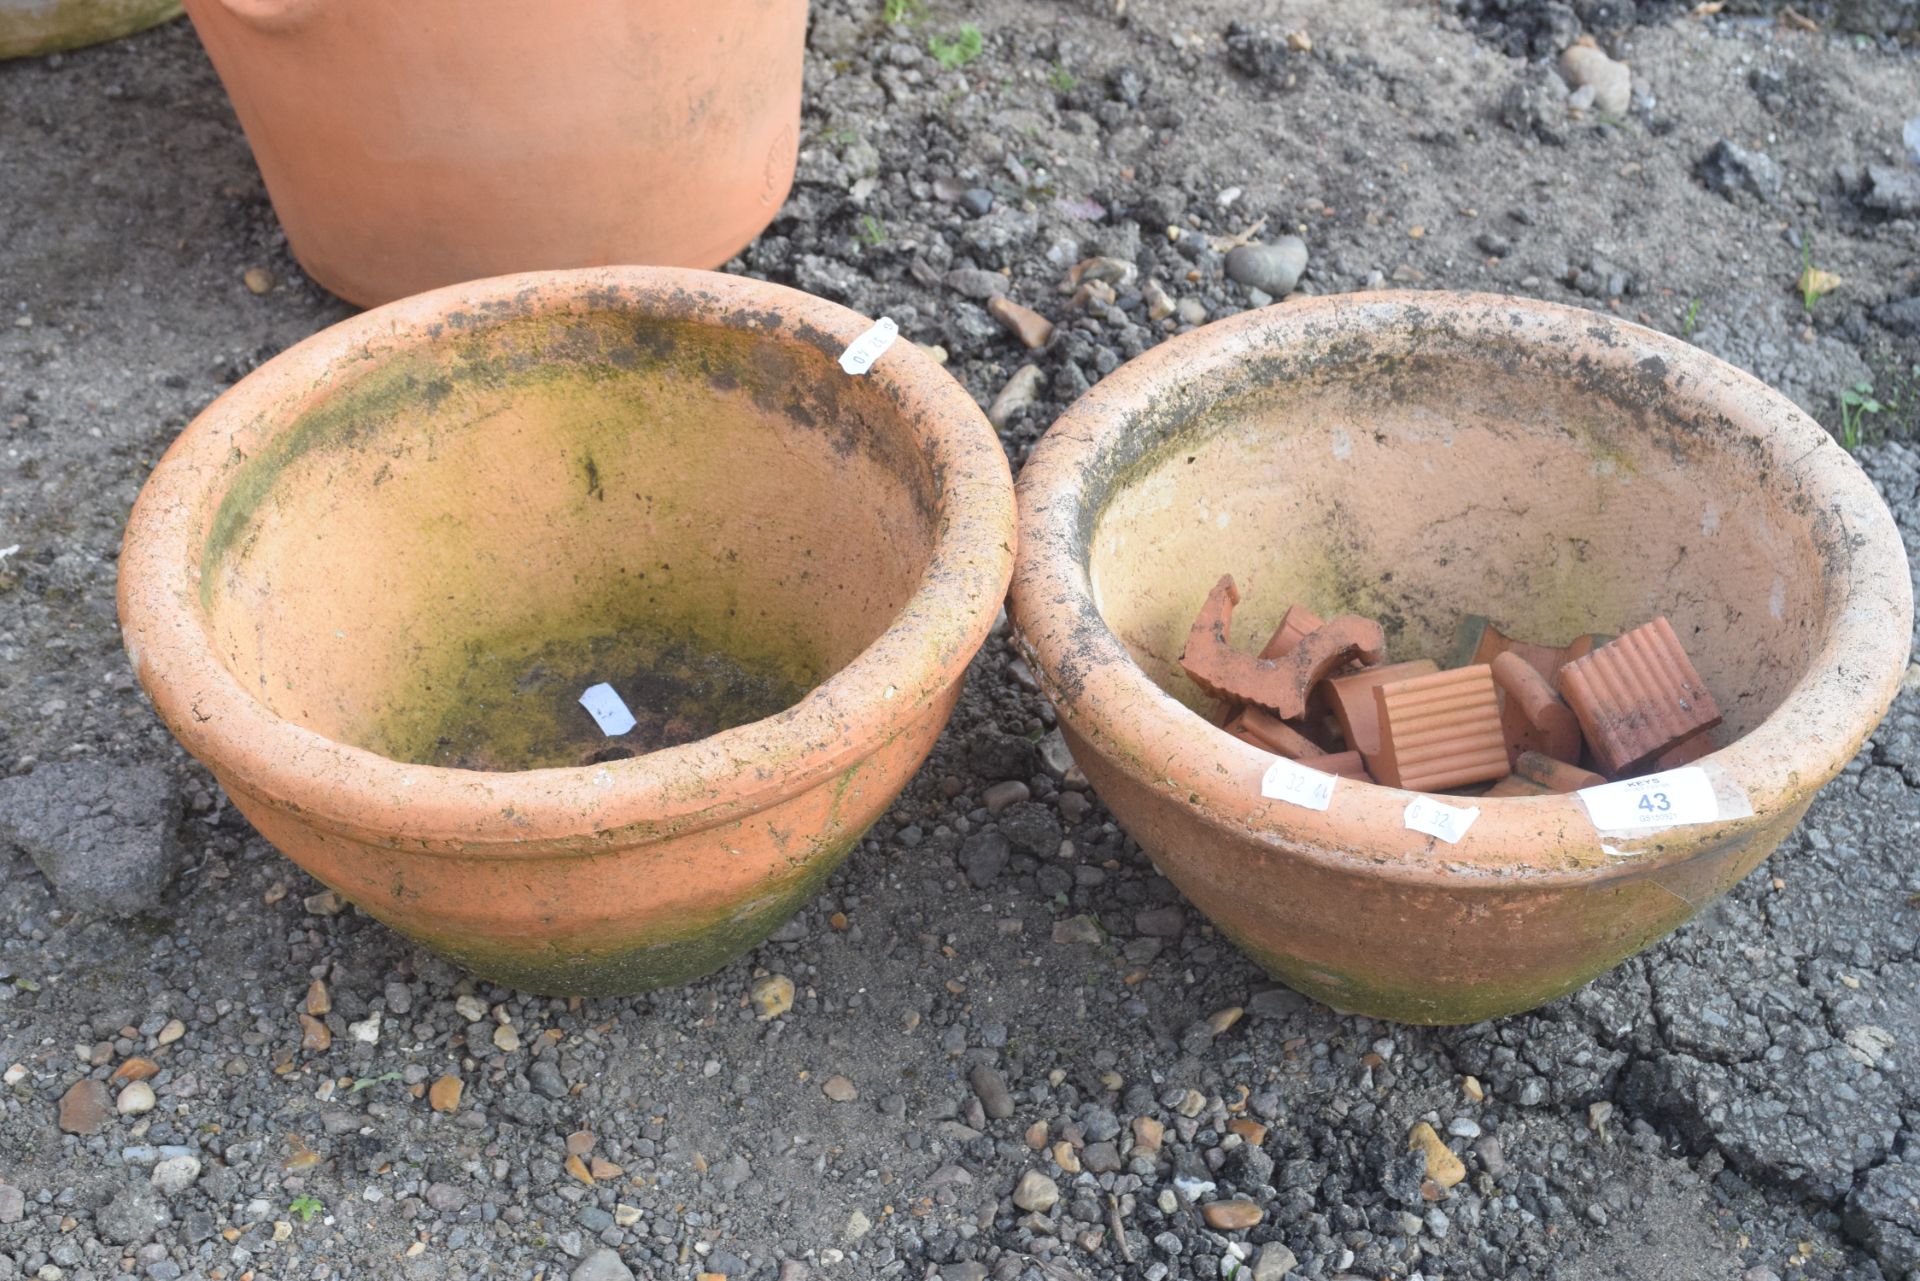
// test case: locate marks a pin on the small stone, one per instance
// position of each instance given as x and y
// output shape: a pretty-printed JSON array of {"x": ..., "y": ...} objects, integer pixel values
[
  {"x": 314, "y": 1035},
  {"x": 133, "y": 1069},
  {"x": 625, "y": 1215},
  {"x": 134, "y": 1214},
  {"x": 318, "y": 1000},
  {"x": 1168, "y": 922},
  {"x": 135, "y": 1099},
  {"x": 580, "y": 1142},
  {"x": 171, "y": 1031},
  {"x": 1021, "y": 391},
  {"x": 1443, "y": 1167},
  {"x": 1893, "y": 191},
  {"x": 1065, "y": 1157},
  {"x": 176, "y": 1174},
  {"x": 772, "y": 996},
  {"x": 992, "y": 1090},
  {"x": 1586, "y": 66},
  {"x": 1248, "y": 1129},
  {"x": 1000, "y": 795},
  {"x": 602, "y": 1265},
  {"x": 984, "y": 856},
  {"x": 1036, "y": 1193},
  {"x": 1273, "y": 1262},
  {"x": 505, "y": 1039},
  {"x": 84, "y": 1108},
  {"x": 13, "y": 1204},
  {"x": 367, "y": 1030},
  {"x": 1729, "y": 169},
  {"x": 578, "y": 1169},
  {"x": 603, "y": 1170},
  {"x": 839, "y": 1089},
  {"x": 258, "y": 280},
  {"x": 1272, "y": 268},
  {"x": 977, "y": 201},
  {"x": 1101, "y": 1158},
  {"x": 444, "y": 1094},
  {"x": 1029, "y": 326},
  {"x": 1598, "y": 1114},
  {"x": 103, "y": 835},
  {"x": 1232, "y": 1216},
  {"x": 1148, "y": 1134},
  {"x": 858, "y": 1225},
  {"x": 325, "y": 903},
  {"x": 1077, "y": 929},
  {"x": 1160, "y": 304},
  {"x": 977, "y": 283},
  {"x": 1192, "y": 1103},
  {"x": 1492, "y": 1159},
  {"x": 470, "y": 1008},
  {"x": 1036, "y": 1135},
  {"x": 1470, "y": 1086},
  {"x": 1220, "y": 1020}
]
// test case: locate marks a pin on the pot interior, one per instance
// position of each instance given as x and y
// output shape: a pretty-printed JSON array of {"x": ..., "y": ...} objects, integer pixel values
[
  {"x": 1417, "y": 477},
  {"x": 436, "y": 555}
]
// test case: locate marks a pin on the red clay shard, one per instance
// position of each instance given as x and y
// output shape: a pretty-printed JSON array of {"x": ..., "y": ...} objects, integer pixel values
[
  {"x": 1479, "y": 641},
  {"x": 1264, "y": 730},
  {"x": 1351, "y": 697},
  {"x": 1531, "y": 715},
  {"x": 1554, "y": 775},
  {"x": 1637, "y": 696},
  {"x": 1685, "y": 752},
  {"x": 1440, "y": 731},
  {"x": 1295, "y": 626},
  {"x": 1280, "y": 685}
]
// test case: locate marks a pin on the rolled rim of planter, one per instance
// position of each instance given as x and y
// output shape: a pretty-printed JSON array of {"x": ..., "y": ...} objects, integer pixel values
[
  {"x": 1535, "y": 842},
  {"x": 534, "y": 813}
]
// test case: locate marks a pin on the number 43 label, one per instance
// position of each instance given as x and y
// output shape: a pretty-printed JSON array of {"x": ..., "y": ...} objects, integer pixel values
[{"x": 1672, "y": 799}]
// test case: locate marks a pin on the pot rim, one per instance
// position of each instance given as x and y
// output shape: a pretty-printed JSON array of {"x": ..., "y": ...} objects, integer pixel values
[
  {"x": 1542, "y": 842},
  {"x": 897, "y": 679}
]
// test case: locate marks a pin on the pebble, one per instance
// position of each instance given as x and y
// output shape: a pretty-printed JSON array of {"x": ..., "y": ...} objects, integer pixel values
[
  {"x": 977, "y": 201},
  {"x": 997, "y": 797},
  {"x": 444, "y": 1094},
  {"x": 1232, "y": 1216},
  {"x": 1160, "y": 304},
  {"x": 772, "y": 996},
  {"x": 1274, "y": 268},
  {"x": 325, "y": 903},
  {"x": 1464, "y": 1127},
  {"x": 315, "y": 1036},
  {"x": 84, "y": 1108},
  {"x": 1492, "y": 1159},
  {"x": 1586, "y": 66},
  {"x": 13, "y": 1204},
  {"x": 1036, "y": 1192},
  {"x": 602, "y": 1265},
  {"x": 1191, "y": 311},
  {"x": 505, "y": 1039},
  {"x": 367, "y": 1030},
  {"x": 258, "y": 280},
  {"x": 470, "y": 1008},
  {"x": 135, "y": 1099},
  {"x": 1471, "y": 1087},
  {"x": 991, "y": 1088},
  {"x": 1021, "y": 391},
  {"x": 104, "y": 835},
  {"x": 1024, "y": 323},
  {"x": 1443, "y": 1167},
  {"x": 176, "y": 1174},
  {"x": 1274, "y": 1262},
  {"x": 318, "y": 1001},
  {"x": 839, "y": 1089},
  {"x": 1065, "y": 1157}
]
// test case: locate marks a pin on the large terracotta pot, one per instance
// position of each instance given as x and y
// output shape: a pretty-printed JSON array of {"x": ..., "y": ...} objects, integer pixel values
[
  {"x": 408, "y": 146},
  {"x": 410, "y": 543},
  {"x": 29, "y": 27},
  {"x": 1413, "y": 457}
]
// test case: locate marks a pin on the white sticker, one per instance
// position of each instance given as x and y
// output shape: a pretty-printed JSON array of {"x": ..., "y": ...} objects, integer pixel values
[
  {"x": 858, "y": 358},
  {"x": 1430, "y": 817},
  {"x": 1672, "y": 799},
  {"x": 608, "y": 709},
  {"x": 1294, "y": 783}
]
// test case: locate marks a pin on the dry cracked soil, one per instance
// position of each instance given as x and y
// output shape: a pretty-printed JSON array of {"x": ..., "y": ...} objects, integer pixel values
[{"x": 1743, "y": 1101}]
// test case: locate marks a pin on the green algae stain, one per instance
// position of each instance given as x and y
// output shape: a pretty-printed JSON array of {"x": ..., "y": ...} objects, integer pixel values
[{"x": 512, "y": 702}]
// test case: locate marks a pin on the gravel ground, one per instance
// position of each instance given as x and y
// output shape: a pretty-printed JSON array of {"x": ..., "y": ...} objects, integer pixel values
[{"x": 962, "y": 1082}]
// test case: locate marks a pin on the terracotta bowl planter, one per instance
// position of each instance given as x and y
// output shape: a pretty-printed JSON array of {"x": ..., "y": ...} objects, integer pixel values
[
  {"x": 30, "y": 27},
  {"x": 1412, "y": 457},
  {"x": 369, "y": 583},
  {"x": 408, "y": 146}
]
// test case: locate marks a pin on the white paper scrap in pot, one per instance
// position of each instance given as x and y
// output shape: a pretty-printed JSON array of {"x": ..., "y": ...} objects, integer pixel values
[
  {"x": 1434, "y": 818},
  {"x": 1673, "y": 799},
  {"x": 859, "y": 356},
  {"x": 1294, "y": 783},
  {"x": 608, "y": 709}
]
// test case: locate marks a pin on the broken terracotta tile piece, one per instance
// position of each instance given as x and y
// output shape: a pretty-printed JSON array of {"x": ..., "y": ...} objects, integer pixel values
[
  {"x": 1554, "y": 775},
  {"x": 1263, "y": 729},
  {"x": 1345, "y": 764},
  {"x": 1320, "y": 653},
  {"x": 1531, "y": 715},
  {"x": 1351, "y": 697},
  {"x": 1685, "y": 752},
  {"x": 1440, "y": 731},
  {"x": 1295, "y": 625},
  {"x": 1637, "y": 696},
  {"x": 1516, "y": 785},
  {"x": 1479, "y": 641},
  {"x": 1280, "y": 685}
]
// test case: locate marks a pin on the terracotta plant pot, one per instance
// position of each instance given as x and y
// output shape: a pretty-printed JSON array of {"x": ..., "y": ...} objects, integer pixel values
[
  {"x": 409, "y": 146},
  {"x": 369, "y": 583},
  {"x": 1414, "y": 458},
  {"x": 31, "y": 27}
]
